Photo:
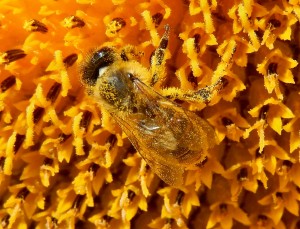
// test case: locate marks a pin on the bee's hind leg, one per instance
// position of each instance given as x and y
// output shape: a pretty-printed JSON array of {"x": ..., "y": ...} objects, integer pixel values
[{"x": 158, "y": 58}]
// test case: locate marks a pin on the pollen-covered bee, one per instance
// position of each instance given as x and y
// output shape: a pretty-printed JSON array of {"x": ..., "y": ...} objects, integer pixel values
[{"x": 168, "y": 137}]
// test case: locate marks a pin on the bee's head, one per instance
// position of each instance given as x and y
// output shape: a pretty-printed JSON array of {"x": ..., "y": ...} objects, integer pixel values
[
  {"x": 109, "y": 79},
  {"x": 96, "y": 62}
]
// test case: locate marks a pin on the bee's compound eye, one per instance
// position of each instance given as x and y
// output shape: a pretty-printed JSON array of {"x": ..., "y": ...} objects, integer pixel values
[
  {"x": 131, "y": 76},
  {"x": 97, "y": 63},
  {"x": 104, "y": 54}
]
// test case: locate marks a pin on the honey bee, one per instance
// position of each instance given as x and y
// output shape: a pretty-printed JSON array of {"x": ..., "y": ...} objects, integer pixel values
[{"x": 168, "y": 137}]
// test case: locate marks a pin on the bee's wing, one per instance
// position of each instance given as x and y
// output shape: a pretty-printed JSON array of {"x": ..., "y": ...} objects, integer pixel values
[
  {"x": 195, "y": 146},
  {"x": 169, "y": 172}
]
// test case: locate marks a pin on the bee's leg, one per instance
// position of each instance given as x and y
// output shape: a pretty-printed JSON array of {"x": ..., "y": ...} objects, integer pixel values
[
  {"x": 207, "y": 93},
  {"x": 130, "y": 52},
  {"x": 203, "y": 95},
  {"x": 158, "y": 57}
]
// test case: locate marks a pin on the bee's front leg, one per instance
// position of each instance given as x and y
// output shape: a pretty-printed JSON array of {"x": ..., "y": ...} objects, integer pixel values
[
  {"x": 130, "y": 52},
  {"x": 204, "y": 95},
  {"x": 158, "y": 57}
]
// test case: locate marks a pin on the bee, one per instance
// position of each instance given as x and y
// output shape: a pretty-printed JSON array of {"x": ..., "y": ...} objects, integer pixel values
[{"x": 168, "y": 137}]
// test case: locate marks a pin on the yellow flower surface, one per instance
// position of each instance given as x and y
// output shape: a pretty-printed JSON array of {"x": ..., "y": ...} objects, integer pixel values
[{"x": 64, "y": 161}]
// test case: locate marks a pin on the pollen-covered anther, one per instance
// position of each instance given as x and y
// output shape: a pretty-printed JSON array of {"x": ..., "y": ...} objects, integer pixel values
[
  {"x": 157, "y": 18},
  {"x": 278, "y": 198},
  {"x": 274, "y": 22},
  {"x": 179, "y": 197},
  {"x": 37, "y": 114},
  {"x": 272, "y": 68},
  {"x": 78, "y": 201},
  {"x": 115, "y": 25},
  {"x": 286, "y": 167},
  {"x": 104, "y": 222},
  {"x": 35, "y": 26},
  {"x": 2, "y": 160},
  {"x": 7, "y": 83},
  {"x": 197, "y": 38},
  {"x": 111, "y": 140},
  {"x": 70, "y": 60},
  {"x": 227, "y": 121},
  {"x": 63, "y": 137},
  {"x": 18, "y": 142},
  {"x": 11, "y": 56},
  {"x": 262, "y": 220},
  {"x": 48, "y": 161},
  {"x": 23, "y": 193},
  {"x": 264, "y": 111},
  {"x": 94, "y": 168},
  {"x": 53, "y": 92},
  {"x": 5, "y": 221},
  {"x": 85, "y": 120},
  {"x": 73, "y": 22},
  {"x": 52, "y": 222},
  {"x": 130, "y": 195},
  {"x": 243, "y": 174},
  {"x": 223, "y": 208}
]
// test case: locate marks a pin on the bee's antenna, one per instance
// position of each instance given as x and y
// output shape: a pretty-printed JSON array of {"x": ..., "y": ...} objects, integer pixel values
[
  {"x": 165, "y": 38},
  {"x": 167, "y": 30}
]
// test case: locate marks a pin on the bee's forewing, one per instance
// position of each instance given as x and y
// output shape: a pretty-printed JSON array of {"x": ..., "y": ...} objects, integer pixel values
[
  {"x": 169, "y": 171},
  {"x": 172, "y": 174}
]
